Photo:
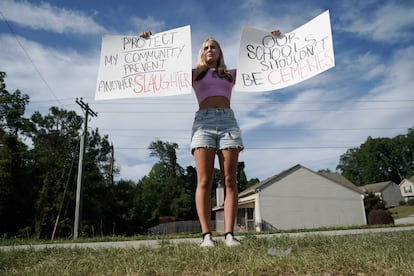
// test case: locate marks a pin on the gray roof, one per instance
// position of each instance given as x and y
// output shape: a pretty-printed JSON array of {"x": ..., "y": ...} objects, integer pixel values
[
  {"x": 263, "y": 184},
  {"x": 376, "y": 187},
  {"x": 340, "y": 179},
  {"x": 335, "y": 177}
]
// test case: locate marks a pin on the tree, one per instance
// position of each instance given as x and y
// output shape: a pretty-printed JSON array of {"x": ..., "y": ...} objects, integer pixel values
[
  {"x": 55, "y": 148},
  {"x": 55, "y": 156},
  {"x": 166, "y": 152},
  {"x": 379, "y": 159},
  {"x": 373, "y": 202},
  {"x": 12, "y": 108},
  {"x": 162, "y": 186},
  {"x": 38, "y": 161},
  {"x": 120, "y": 200},
  {"x": 168, "y": 190},
  {"x": 15, "y": 185},
  {"x": 96, "y": 185},
  {"x": 252, "y": 182}
]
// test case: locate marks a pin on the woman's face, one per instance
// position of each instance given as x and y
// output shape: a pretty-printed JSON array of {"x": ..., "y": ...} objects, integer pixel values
[{"x": 211, "y": 53}]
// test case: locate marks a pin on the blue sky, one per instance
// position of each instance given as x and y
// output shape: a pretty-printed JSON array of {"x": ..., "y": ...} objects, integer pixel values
[{"x": 50, "y": 50}]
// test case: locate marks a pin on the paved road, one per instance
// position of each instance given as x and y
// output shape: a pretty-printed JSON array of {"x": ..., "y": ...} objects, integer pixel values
[{"x": 153, "y": 243}]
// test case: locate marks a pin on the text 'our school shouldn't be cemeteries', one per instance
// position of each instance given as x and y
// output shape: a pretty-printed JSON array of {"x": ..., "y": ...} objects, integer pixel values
[{"x": 268, "y": 62}]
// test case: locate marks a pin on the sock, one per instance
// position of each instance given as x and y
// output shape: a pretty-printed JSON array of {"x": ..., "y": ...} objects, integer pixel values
[{"x": 206, "y": 233}]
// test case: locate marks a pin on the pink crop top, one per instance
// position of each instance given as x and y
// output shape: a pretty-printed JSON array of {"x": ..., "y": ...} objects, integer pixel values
[{"x": 212, "y": 85}]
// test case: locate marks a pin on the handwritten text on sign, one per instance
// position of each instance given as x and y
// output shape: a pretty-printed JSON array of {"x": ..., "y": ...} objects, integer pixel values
[
  {"x": 267, "y": 62},
  {"x": 131, "y": 66}
]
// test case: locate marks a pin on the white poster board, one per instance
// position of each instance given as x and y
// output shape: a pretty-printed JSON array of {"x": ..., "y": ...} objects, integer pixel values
[
  {"x": 135, "y": 67},
  {"x": 267, "y": 62}
]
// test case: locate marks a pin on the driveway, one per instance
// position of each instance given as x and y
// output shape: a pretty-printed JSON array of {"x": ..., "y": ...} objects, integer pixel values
[{"x": 406, "y": 220}]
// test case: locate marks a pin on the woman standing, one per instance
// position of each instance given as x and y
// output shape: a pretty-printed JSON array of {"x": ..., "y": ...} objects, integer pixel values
[{"x": 215, "y": 131}]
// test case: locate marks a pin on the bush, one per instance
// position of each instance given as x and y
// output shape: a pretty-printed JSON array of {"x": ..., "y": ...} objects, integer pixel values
[
  {"x": 410, "y": 202},
  {"x": 372, "y": 202},
  {"x": 380, "y": 216}
]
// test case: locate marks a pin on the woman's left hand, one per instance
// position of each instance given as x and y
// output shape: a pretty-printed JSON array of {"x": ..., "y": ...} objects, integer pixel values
[
  {"x": 145, "y": 34},
  {"x": 276, "y": 32}
]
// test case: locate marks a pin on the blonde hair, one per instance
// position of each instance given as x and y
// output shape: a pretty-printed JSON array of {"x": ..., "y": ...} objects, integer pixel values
[{"x": 202, "y": 67}]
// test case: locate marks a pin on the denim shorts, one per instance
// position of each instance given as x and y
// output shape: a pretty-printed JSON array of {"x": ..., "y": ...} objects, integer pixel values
[{"x": 216, "y": 128}]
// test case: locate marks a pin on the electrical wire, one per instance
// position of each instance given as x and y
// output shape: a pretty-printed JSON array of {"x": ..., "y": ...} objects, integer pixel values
[
  {"x": 29, "y": 58},
  {"x": 188, "y": 102}
]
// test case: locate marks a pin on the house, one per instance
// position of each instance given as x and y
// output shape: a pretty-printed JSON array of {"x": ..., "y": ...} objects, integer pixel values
[
  {"x": 297, "y": 198},
  {"x": 407, "y": 188},
  {"x": 387, "y": 191}
]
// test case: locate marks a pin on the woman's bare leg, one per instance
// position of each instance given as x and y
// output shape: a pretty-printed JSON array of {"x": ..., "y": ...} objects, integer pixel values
[
  {"x": 204, "y": 160},
  {"x": 228, "y": 159}
]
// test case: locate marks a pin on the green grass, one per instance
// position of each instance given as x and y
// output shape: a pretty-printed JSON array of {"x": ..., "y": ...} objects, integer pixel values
[
  {"x": 22, "y": 241},
  {"x": 366, "y": 254},
  {"x": 402, "y": 211},
  {"x": 397, "y": 212}
]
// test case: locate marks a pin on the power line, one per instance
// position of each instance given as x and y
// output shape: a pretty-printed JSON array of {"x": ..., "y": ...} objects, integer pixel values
[
  {"x": 29, "y": 58},
  {"x": 256, "y": 148},
  {"x": 281, "y": 111},
  {"x": 261, "y": 130},
  {"x": 170, "y": 102},
  {"x": 132, "y": 101},
  {"x": 162, "y": 101}
]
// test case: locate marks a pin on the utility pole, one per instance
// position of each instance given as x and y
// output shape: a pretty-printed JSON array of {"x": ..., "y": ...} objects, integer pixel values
[
  {"x": 111, "y": 165},
  {"x": 87, "y": 111}
]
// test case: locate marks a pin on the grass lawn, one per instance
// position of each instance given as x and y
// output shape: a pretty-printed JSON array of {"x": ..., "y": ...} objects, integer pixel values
[
  {"x": 365, "y": 254},
  {"x": 402, "y": 211}
]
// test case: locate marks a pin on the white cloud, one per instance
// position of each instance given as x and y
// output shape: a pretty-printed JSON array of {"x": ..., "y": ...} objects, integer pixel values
[
  {"x": 314, "y": 127},
  {"x": 390, "y": 22},
  {"x": 49, "y": 18},
  {"x": 46, "y": 73},
  {"x": 134, "y": 172},
  {"x": 148, "y": 24},
  {"x": 311, "y": 123}
]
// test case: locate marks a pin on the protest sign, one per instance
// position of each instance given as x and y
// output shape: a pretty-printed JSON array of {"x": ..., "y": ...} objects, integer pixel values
[
  {"x": 134, "y": 67},
  {"x": 267, "y": 62}
]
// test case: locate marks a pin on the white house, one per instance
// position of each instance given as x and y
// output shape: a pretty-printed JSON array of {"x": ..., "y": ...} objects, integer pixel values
[
  {"x": 388, "y": 191},
  {"x": 407, "y": 188},
  {"x": 297, "y": 198}
]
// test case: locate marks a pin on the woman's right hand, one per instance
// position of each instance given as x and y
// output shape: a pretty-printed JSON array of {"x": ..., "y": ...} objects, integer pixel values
[{"x": 145, "y": 34}]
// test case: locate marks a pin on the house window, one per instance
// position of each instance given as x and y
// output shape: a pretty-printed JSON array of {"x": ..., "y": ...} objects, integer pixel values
[{"x": 407, "y": 189}]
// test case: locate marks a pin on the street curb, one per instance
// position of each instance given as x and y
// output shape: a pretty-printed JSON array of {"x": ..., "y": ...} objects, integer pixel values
[{"x": 159, "y": 242}]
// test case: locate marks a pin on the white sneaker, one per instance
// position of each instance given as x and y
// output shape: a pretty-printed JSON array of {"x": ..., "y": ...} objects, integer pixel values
[
  {"x": 207, "y": 241},
  {"x": 230, "y": 240}
]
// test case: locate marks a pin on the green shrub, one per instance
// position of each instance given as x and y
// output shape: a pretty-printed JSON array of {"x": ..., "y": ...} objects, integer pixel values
[
  {"x": 373, "y": 202},
  {"x": 410, "y": 202}
]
